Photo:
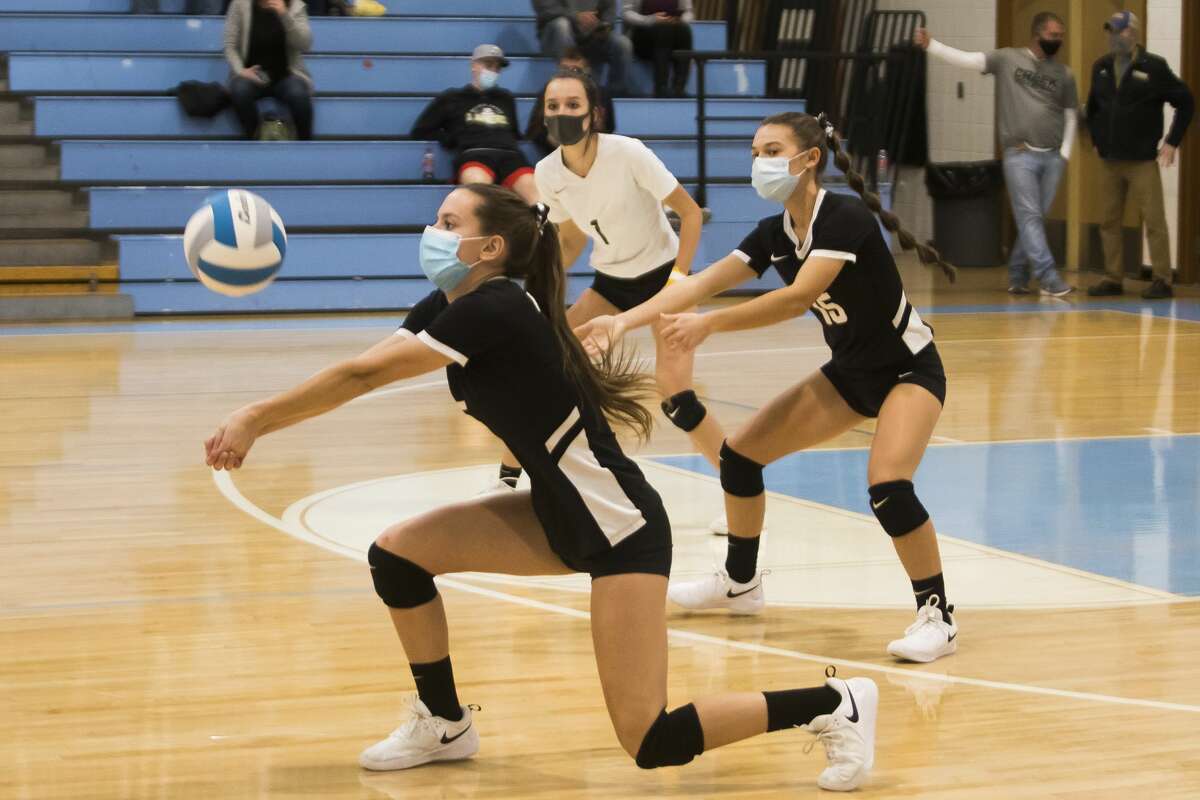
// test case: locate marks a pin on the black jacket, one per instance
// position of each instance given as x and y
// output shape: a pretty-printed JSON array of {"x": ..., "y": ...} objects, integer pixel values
[
  {"x": 465, "y": 118},
  {"x": 1126, "y": 124}
]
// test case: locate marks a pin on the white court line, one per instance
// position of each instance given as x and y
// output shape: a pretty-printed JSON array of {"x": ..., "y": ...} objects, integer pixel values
[
  {"x": 225, "y": 484},
  {"x": 1161, "y": 431}
]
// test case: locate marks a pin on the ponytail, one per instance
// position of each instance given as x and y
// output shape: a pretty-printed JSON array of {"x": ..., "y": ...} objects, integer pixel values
[{"x": 614, "y": 384}]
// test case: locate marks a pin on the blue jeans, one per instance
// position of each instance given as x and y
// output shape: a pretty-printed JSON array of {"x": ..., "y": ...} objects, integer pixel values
[
  {"x": 1032, "y": 179},
  {"x": 614, "y": 50}
]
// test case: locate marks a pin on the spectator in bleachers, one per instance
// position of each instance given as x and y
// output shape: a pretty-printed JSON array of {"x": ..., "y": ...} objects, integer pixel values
[
  {"x": 658, "y": 28},
  {"x": 264, "y": 45},
  {"x": 572, "y": 58},
  {"x": 479, "y": 123},
  {"x": 589, "y": 25}
]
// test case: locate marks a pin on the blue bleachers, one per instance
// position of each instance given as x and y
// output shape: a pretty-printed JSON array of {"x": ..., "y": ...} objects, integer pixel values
[
  {"x": 33, "y": 73},
  {"x": 365, "y": 117},
  {"x": 309, "y": 162},
  {"x": 113, "y": 33},
  {"x": 422, "y": 8},
  {"x": 65, "y": 6}
]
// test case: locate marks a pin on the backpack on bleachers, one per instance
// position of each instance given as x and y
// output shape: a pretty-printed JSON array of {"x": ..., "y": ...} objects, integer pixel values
[{"x": 202, "y": 99}]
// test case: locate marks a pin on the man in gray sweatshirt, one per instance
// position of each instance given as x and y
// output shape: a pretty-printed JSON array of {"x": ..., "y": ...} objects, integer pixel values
[
  {"x": 1036, "y": 103},
  {"x": 589, "y": 25}
]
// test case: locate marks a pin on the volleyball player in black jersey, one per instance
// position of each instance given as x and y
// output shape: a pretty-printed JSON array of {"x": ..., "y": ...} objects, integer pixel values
[
  {"x": 830, "y": 252},
  {"x": 514, "y": 363}
]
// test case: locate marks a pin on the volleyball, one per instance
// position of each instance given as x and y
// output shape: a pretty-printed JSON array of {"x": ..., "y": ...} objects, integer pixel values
[{"x": 235, "y": 243}]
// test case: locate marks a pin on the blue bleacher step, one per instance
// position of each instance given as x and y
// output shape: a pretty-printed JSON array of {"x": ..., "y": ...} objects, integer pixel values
[
  {"x": 245, "y": 162},
  {"x": 33, "y": 73},
  {"x": 366, "y": 117},
  {"x": 118, "y": 33},
  {"x": 395, "y": 8}
]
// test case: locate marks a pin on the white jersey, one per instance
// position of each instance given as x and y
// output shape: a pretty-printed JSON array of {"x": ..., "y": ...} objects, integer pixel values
[{"x": 618, "y": 204}]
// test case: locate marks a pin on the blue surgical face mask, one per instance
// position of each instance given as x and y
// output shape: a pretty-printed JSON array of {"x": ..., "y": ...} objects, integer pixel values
[
  {"x": 771, "y": 178},
  {"x": 439, "y": 257},
  {"x": 488, "y": 79}
]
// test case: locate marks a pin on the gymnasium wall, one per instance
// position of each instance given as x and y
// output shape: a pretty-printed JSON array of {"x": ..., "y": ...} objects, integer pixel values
[{"x": 1164, "y": 37}]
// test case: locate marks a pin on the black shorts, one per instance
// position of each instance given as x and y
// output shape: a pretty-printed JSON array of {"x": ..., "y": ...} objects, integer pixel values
[
  {"x": 865, "y": 390},
  {"x": 647, "y": 551},
  {"x": 505, "y": 166},
  {"x": 625, "y": 293}
]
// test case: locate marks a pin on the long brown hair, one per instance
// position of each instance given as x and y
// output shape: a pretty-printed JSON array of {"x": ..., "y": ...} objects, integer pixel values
[
  {"x": 813, "y": 132},
  {"x": 614, "y": 384}
]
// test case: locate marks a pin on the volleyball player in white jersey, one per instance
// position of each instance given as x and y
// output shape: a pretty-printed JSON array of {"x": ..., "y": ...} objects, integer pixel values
[
  {"x": 612, "y": 189},
  {"x": 514, "y": 364},
  {"x": 884, "y": 365}
]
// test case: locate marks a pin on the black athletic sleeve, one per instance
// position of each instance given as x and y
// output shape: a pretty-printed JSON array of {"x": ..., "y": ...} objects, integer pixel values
[
  {"x": 473, "y": 324},
  {"x": 431, "y": 125},
  {"x": 843, "y": 232},
  {"x": 755, "y": 249},
  {"x": 424, "y": 312}
]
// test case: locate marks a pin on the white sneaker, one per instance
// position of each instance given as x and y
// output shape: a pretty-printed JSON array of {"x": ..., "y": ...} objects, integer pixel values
[
  {"x": 848, "y": 734},
  {"x": 423, "y": 738},
  {"x": 929, "y": 638},
  {"x": 719, "y": 591},
  {"x": 495, "y": 487}
]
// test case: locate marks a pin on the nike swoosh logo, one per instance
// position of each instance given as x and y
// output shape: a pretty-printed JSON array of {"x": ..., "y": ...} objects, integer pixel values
[
  {"x": 903, "y": 375},
  {"x": 775, "y": 260},
  {"x": 730, "y": 594},
  {"x": 853, "y": 705},
  {"x": 452, "y": 738},
  {"x": 879, "y": 505},
  {"x": 953, "y": 636}
]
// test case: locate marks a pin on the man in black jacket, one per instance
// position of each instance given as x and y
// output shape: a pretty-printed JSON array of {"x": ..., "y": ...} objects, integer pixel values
[
  {"x": 479, "y": 123},
  {"x": 1125, "y": 118}
]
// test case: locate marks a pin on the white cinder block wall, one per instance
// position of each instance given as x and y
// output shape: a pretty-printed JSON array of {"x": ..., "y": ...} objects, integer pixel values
[
  {"x": 959, "y": 129},
  {"x": 1163, "y": 38}
]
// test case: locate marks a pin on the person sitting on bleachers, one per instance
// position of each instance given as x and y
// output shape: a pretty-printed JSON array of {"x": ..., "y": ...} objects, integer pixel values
[
  {"x": 658, "y": 28},
  {"x": 479, "y": 123},
  {"x": 589, "y": 25},
  {"x": 264, "y": 43},
  {"x": 572, "y": 58}
]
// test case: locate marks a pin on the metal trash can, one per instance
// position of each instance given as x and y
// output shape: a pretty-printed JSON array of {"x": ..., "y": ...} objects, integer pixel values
[{"x": 966, "y": 211}]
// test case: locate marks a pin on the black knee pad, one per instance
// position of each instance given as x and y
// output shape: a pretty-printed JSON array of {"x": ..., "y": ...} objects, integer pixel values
[
  {"x": 399, "y": 582},
  {"x": 672, "y": 740},
  {"x": 684, "y": 410},
  {"x": 740, "y": 476},
  {"x": 897, "y": 508}
]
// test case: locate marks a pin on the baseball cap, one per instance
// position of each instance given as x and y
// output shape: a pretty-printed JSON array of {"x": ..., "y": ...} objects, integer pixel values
[
  {"x": 489, "y": 51},
  {"x": 1122, "y": 20}
]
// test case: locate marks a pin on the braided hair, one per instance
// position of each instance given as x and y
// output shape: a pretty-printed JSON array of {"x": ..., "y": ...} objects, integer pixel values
[{"x": 818, "y": 132}]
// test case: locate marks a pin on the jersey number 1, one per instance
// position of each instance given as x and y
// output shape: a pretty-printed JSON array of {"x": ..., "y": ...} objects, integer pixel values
[
  {"x": 596, "y": 224},
  {"x": 831, "y": 312}
]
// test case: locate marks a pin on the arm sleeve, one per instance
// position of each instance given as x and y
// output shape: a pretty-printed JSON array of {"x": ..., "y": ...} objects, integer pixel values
[
  {"x": 510, "y": 108},
  {"x": 755, "y": 249},
  {"x": 557, "y": 212},
  {"x": 233, "y": 32},
  {"x": 429, "y": 124},
  {"x": 651, "y": 174},
  {"x": 1177, "y": 93},
  {"x": 470, "y": 326},
  {"x": 979, "y": 62},
  {"x": 296, "y": 27},
  {"x": 630, "y": 15},
  {"x": 423, "y": 313},
  {"x": 844, "y": 233}
]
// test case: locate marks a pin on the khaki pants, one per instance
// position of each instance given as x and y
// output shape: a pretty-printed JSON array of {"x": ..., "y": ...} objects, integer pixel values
[{"x": 1142, "y": 182}]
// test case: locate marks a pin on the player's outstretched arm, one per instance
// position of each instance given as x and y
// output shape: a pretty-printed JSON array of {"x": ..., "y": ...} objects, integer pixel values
[{"x": 390, "y": 360}]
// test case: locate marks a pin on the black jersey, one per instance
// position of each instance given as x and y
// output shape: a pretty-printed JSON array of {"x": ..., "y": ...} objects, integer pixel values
[
  {"x": 508, "y": 374},
  {"x": 867, "y": 320},
  {"x": 467, "y": 117}
]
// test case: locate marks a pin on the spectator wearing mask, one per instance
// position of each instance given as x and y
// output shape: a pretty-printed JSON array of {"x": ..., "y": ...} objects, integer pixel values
[
  {"x": 1036, "y": 104},
  {"x": 264, "y": 45},
  {"x": 590, "y": 26},
  {"x": 658, "y": 28},
  {"x": 572, "y": 58},
  {"x": 479, "y": 123},
  {"x": 1125, "y": 119}
]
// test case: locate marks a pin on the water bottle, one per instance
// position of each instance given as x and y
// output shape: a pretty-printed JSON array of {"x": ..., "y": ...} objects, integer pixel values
[
  {"x": 427, "y": 165},
  {"x": 881, "y": 166}
]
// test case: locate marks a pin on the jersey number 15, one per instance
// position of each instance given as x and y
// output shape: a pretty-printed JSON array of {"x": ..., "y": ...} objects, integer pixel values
[{"x": 831, "y": 312}]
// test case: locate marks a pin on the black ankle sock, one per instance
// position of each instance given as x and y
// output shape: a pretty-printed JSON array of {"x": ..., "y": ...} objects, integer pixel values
[
  {"x": 927, "y": 587},
  {"x": 510, "y": 475},
  {"x": 741, "y": 560},
  {"x": 799, "y": 706},
  {"x": 435, "y": 687}
]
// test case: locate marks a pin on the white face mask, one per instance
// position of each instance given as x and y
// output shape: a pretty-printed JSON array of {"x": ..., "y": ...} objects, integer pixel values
[
  {"x": 771, "y": 178},
  {"x": 488, "y": 78}
]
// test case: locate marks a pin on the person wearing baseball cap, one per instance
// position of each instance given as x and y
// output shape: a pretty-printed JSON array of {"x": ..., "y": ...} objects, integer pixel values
[
  {"x": 1125, "y": 118},
  {"x": 479, "y": 123}
]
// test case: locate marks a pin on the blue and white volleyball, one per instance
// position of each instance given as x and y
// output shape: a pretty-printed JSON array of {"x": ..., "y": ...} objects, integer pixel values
[{"x": 235, "y": 243}]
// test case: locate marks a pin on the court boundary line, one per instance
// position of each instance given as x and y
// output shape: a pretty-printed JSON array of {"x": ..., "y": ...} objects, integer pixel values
[{"x": 225, "y": 485}]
